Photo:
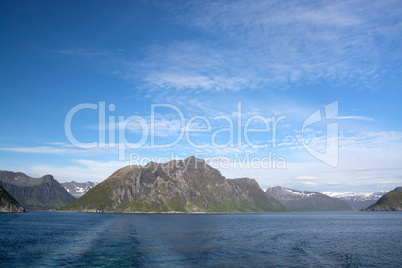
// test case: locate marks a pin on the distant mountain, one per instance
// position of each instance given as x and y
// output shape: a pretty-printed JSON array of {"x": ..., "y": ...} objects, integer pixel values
[
  {"x": 306, "y": 201},
  {"x": 389, "y": 202},
  {"x": 8, "y": 204},
  {"x": 78, "y": 189},
  {"x": 189, "y": 185},
  {"x": 35, "y": 193},
  {"x": 358, "y": 201}
]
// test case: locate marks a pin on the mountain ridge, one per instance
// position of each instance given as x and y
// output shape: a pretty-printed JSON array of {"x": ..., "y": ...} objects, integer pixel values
[
  {"x": 185, "y": 186},
  {"x": 391, "y": 201},
  {"x": 42, "y": 193},
  {"x": 306, "y": 201}
]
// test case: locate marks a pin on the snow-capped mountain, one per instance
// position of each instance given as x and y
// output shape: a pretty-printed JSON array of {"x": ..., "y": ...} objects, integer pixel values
[
  {"x": 306, "y": 201},
  {"x": 78, "y": 189},
  {"x": 358, "y": 200}
]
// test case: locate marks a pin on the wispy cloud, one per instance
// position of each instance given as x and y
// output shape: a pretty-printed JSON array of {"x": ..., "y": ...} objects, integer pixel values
[
  {"x": 59, "y": 148},
  {"x": 309, "y": 183},
  {"x": 306, "y": 177},
  {"x": 43, "y": 150},
  {"x": 355, "y": 117},
  {"x": 373, "y": 141},
  {"x": 268, "y": 44},
  {"x": 275, "y": 43},
  {"x": 82, "y": 170},
  {"x": 377, "y": 169},
  {"x": 87, "y": 53}
]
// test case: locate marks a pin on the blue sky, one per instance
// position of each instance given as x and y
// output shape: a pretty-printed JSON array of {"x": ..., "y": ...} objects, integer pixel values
[{"x": 207, "y": 64}]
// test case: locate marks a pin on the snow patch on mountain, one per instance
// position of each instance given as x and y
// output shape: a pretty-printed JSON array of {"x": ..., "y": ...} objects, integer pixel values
[
  {"x": 78, "y": 188},
  {"x": 350, "y": 196},
  {"x": 303, "y": 194}
]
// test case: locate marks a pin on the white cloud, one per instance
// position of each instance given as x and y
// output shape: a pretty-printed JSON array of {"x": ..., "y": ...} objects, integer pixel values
[
  {"x": 294, "y": 41},
  {"x": 309, "y": 183},
  {"x": 365, "y": 118},
  {"x": 361, "y": 141},
  {"x": 306, "y": 177},
  {"x": 333, "y": 183},
  {"x": 84, "y": 170},
  {"x": 267, "y": 44},
  {"x": 87, "y": 53},
  {"x": 44, "y": 150},
  {"x": 62, "y": 149},
  {"x": 194, "y": 81}
]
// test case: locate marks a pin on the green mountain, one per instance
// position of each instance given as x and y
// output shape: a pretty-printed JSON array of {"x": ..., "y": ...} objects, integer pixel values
[
  {"x": 35, "y": 193},
  {"x": 189, "y": 185},
  {"x": 391, "y": 201},
  {"x": 306, "y": 201},
  {"x": 8, "y": 204}
]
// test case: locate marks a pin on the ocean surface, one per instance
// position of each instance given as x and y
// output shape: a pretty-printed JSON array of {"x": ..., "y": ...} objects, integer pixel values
[{"x": 322, "y": 239}]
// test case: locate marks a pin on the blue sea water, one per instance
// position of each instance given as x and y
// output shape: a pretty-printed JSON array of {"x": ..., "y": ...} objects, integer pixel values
[{"x": 324, "y": 239}]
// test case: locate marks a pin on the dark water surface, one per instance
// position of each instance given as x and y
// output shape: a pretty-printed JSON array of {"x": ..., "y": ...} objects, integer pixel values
[{"x": 325, "y": 239}]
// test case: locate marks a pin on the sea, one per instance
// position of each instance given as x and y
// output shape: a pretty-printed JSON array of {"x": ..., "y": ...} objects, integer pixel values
[{"x": 310, "y": 239}]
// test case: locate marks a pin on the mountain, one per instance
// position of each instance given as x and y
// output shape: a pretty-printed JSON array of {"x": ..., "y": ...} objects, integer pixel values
[
  {"x": 306, "y": 201},
  {"x": 78, "y": 189},
  {"x": 189, "y": 185},
  {"x": 358, "y": 201},
  {"x": 35, "y": 193},
  {"x": 389, "y": 202},
  {"x": 8, "y": 204}
]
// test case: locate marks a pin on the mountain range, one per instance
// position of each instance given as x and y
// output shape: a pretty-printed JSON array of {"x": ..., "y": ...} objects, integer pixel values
[
  {"x": 78, "y": 189},
  {"x": 306, "y": 201},
  {"x": 35, "y": 193},
  {"x": 189, "y": 185},
  {"x": 358, "y": 201},
  {"x": 392, "y": 201}
]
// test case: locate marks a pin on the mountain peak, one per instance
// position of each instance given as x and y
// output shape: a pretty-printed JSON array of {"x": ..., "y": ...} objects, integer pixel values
[
  {"x": 391, "y": 201},
  {"x": 35, "y": 193},
  {"x": 306, "y": 201},
  {"x": 188, "y": 185},
  {"x": 247, "y": 182}
]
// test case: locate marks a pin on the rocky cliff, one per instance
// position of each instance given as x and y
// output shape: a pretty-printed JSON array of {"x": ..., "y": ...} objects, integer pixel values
[
  {"x": 35, "y": 193},
  {"x": 306, "y": 201},
  {"x": 188, "y": 185},
  {"x": 392, "y": 201},
  {"x": 8, "y": 204}
]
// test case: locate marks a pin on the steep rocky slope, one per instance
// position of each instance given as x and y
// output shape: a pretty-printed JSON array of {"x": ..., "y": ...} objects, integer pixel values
[
  {"x": 392, "y": 201},
  {"x": 188, "y": 185},
  {"x": 35, "y": 193},
  {"x": 8, "y": 204},
  {"x": 306, "y": 201}
]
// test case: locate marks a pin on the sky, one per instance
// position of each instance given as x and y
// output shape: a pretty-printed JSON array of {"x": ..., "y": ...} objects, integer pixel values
[{"x": 302, "y": 94}]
